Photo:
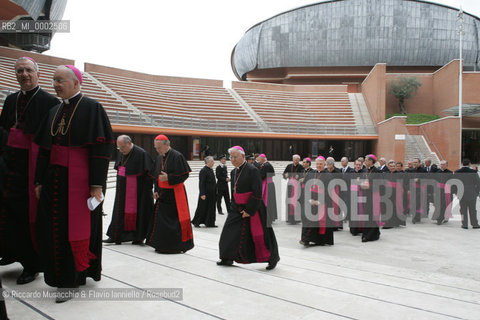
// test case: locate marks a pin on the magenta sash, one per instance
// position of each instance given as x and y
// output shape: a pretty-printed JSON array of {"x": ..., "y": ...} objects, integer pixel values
[
  {"x": 448, "y": 199},
  {"x": 130, "y": 222},
  {"x": 322, "y": 218},
  {"x": 322, "y": 209},
  {"x": 265, "y": 183},
  {"x": 18, "y": 139},
  {"x": 294, "y": 196},
  {"x": 76, "y": 159},
  {"x": 261, "y": 252}
]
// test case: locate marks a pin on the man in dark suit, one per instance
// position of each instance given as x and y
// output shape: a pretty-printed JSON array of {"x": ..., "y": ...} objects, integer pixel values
[
  {"x": 471, "y": 187},
  {"x": 222, "y": 185},
  {"x": 383, "y": 165},
  {"x": 417, "y": 191},
  {"x": 345, "y": 167}
]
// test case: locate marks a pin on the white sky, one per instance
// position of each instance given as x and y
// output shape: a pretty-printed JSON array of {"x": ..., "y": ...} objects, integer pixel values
[{"x": 185, "y": 38}]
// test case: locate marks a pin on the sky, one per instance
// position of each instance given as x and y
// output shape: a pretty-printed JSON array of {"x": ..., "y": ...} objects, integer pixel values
[{"x": 183, "y": 38}]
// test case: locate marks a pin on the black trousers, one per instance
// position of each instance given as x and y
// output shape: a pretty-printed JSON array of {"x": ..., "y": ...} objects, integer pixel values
[
  {"x": 222, "y": 192},
  {"x": 469, "y": 205}
]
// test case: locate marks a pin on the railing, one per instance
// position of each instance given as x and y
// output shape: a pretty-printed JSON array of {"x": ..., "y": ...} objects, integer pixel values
[
  {"x": 322, "y": 129},
  {"x": 430, "y": 142},
  {"x": 122, "y": 117},
  {"x": 163, "y": 121}
]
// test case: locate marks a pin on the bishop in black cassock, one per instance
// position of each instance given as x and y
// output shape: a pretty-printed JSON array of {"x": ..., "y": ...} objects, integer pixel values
[
  {"x": 170, "y": 230},
  {"x": 22, "y": 113},
  {"x": 245, "y": 236},
  {"x": 133, "y": 206},
  {"x": 75, "y": 142}
]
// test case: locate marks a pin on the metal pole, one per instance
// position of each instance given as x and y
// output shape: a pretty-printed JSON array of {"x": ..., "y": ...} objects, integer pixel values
[{"x": 460, "y": 82}]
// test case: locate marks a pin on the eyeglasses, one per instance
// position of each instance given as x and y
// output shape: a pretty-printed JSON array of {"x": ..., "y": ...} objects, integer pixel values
[
  {"x": 58, "y": 80},
  {"x": 22, "y": 70}
]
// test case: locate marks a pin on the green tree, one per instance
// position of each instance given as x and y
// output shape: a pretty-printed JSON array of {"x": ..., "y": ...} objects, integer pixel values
[{"x": 404, "y": 88}]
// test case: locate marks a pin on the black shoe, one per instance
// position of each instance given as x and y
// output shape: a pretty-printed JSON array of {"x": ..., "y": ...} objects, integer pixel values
[
  {"x": 476, "y": 227},
  {"x": 221, "y": 213},
  {"x": 63, "y": 295},
  {"x": 196, "y": 225},
  {"x": 214, "y": 226},
  {"x": 6, "y": 261},
  {"x": 385, "y": 228},
  {"x": 27, "y": 277},
  {"x": 137, "y": 242},
  {"x": 109, "y": 240},
  {"x": 364, "y": 240},
  {"x": 464, "y": 227},
  {"x": 306, "y": 244},
  {"x": 224, "y": 262},
  {"x": 271, "y": 265}
]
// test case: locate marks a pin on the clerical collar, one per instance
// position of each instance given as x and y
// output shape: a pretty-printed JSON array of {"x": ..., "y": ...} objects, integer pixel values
[
  {"x": 67, "y": 101},
  {"x": 241, "y": 166},
  {"x": 29, "y": 92}
]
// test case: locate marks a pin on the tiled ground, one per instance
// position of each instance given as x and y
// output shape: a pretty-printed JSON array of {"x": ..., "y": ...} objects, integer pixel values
[{"x": 423, "y": 271}]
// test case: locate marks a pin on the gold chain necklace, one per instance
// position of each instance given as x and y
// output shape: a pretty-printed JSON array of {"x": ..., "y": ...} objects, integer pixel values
[
  {"x": 61, "y": 125},
  {"x": 164, "y": 162},
  {"x": 238, "y": 178},
  {"x": 26, "y": 106},
  {"x": 124, "y": 161}
]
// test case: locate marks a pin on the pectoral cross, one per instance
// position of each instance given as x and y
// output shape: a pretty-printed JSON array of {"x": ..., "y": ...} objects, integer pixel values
[{"x": 61, "y": 124}]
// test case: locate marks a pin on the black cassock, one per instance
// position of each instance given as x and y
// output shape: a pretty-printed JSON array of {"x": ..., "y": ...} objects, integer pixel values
[
  {"x": 170, "y": 231},
  {"x": 205, "y": 212},
  {"x": 317, "y": 225},
  {"x": 371, "y": 231},
  {"x": 19, "y": 120},
  {"x": 267, "y": 173},
  {"x": 75, "y": 147},
  {"x": 247, "y": 240},
  {"x": 293, "y": 173},
  {"x": 131, "y": 215}
]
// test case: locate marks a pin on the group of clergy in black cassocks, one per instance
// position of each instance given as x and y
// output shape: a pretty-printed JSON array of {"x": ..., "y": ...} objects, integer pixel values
[
  {"x": 371, "y": 197},
  {"x": 55, "y": 153}
]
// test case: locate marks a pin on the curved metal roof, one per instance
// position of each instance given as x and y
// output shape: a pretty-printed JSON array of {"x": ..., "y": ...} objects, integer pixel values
[{"x": 358, "y": 33}]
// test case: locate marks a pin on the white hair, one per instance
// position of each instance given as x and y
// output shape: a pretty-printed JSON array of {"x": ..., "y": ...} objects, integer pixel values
[
  {"x": 295, "y": 156},
  {"x": 207, "y": 159},
  {"x": 235, "y": 149},
  {"x": 125, "y": 138},
  {"x": 27, "y": 59}
]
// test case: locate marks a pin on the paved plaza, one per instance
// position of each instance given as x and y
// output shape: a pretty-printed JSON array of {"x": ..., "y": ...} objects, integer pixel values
[{"x": 420, "y": 271}]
